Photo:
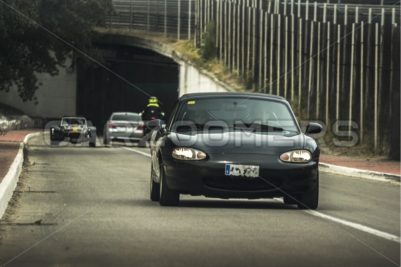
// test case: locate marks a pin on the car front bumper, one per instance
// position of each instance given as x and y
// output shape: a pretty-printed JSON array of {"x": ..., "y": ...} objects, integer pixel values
[{"x": 208, "y": 178}]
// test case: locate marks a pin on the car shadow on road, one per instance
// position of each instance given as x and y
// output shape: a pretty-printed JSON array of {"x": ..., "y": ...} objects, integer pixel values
[
  {"x": 214, "y": 203},
  {"x": 235, "y": 204}
]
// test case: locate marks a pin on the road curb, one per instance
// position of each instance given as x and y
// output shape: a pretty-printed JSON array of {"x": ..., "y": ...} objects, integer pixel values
[
  {"x": 10, "y": 181},
  {"x": 365, "y": 174}
]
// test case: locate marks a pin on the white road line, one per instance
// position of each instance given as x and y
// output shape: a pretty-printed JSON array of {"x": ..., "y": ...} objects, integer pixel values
[
  {"x": 356, "y": 226},
  {"x": 138, "y": 151},
  {"x": 350, "y": 224},
  {"x": 353, "y": 225}
]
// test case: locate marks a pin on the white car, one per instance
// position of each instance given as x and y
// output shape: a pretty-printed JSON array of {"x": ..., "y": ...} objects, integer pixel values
[{"x": 123, "y": 126}]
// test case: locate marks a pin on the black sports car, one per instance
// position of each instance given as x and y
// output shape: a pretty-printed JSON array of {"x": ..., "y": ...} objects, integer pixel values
[
  {"x": 234, "y": 145},
  {"x": 75, "y": 130}
]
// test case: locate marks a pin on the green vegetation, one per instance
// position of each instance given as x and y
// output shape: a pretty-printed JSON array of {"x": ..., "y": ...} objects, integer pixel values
[
  {"x": 208, "y": 47},
  {"x": 38, "y": 36}
]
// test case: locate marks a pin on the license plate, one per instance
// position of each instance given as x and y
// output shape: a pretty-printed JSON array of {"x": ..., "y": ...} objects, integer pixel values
[
  {"x": 250, "y": 171},
  {"x": 75, "y": 130},
  {"x": 121, "y": 129}
]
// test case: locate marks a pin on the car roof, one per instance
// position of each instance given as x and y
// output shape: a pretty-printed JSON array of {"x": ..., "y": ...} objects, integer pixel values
[{"x": 232, "y": 94}]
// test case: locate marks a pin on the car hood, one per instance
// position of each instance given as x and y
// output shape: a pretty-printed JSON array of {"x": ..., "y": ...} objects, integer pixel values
[{"x": 239, "y": 143}]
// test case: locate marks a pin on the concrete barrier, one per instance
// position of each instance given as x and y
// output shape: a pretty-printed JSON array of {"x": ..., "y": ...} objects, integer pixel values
[{"x": 9, "y": 183}]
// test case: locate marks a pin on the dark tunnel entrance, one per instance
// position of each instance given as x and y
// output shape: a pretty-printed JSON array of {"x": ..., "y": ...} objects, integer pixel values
[{"x": 100, "y": 92}]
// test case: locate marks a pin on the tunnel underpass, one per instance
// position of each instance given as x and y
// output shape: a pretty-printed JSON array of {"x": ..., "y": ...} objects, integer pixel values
[{"x": 101, "y": 92}]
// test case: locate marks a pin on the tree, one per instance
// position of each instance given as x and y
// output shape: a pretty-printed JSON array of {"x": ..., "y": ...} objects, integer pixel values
[{"x": 37, "y": 36}]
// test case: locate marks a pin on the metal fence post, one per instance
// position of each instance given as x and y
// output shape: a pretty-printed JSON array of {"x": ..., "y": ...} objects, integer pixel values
[
  {"x": 318, "y": 72},
  {"x": 190, "y": 18},
  {"x": 243, "y": 41},
  {"x": 311, "y": 56},
  {"x": 338, "y": 72},
  {"x": 225, "y": 33},
  {"x": 221, "y": 29},
  {"x": 229, "y": 33},
  {"x": 165, "y": 18},
  {"x": 351, "y": 83},
  {"x": 201, "y": 19},
  {"x": 299, "y": 66},
  {"x": 286, "y": 56},
  {"x": 238, "y": 37},
  {"x": 376, "y": 85},
  {"x": 148, "y": 17},
  {"x": 260, "y": 48},
  {"x": 361, "y": 96},
  {"x": 217, "y": 27},
  {"x": 265, "y": 54},
  {"x": 131, "y": 16},
  {"x": 328, "y": 44},
  {"x": 271, "y": 53},
  {"x": 248, "y": 46},
  {"x": 179, "y": 20},
  {"x": 278, "y": 75},
  {"x": 292, "y": 54},
  {"x": 253, "y": 43}
]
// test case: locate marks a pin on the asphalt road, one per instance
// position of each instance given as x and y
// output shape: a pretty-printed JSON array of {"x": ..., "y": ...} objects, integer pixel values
[{"x": 79, "y": 206}]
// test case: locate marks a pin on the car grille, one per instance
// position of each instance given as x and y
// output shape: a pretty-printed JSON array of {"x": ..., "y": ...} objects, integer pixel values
[
  {"x": 242, "y": 184},
  {"x": 74, "y": 135}
]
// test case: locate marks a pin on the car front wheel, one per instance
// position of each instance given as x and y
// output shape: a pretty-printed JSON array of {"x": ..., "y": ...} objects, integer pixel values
[
  {"x": 154, "y": 187},
  {"x": 310, "y": 200},
  {"x": 168, "y": 197}
]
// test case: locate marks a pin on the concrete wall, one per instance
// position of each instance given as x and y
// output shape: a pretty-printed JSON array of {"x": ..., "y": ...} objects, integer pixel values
[
  {"x": 56, "y": 97},
  {"x": 193, "y": 80}
]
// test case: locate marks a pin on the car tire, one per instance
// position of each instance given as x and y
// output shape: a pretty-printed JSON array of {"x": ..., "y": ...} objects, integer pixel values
[
  {"x": 310, "y": 200},
  {"x": 52, "y": 137},
  {"x": 168, "y": 197},
  {"x": 289, "y": 200},
  {"x": 142, "y": 143},
  {"x": 106, "y": 141},
  {"x": 92, "y": 144},
  {"x": 154, "y": 187}
]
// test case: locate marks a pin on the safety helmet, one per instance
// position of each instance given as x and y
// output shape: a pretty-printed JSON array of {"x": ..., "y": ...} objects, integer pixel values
[{"x": 153, "y": 100}]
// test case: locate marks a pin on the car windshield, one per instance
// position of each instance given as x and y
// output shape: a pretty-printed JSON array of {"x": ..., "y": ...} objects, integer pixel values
[
  {"x": 73, "y": 121},
  {"x": 126, "y": 117},
  {"x": 249, "y": 114}
]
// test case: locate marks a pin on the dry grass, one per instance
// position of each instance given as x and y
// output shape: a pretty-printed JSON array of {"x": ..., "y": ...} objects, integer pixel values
[{"x": 213, "y": 66}]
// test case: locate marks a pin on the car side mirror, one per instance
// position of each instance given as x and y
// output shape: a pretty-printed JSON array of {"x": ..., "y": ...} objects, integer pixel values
[{"x": 313, "y": 128}]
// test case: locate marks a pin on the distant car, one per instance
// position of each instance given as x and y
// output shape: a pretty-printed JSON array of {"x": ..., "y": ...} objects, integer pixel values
[
  {"x": 123, "y": 126},
  {"x": 234, "y": 145},
  {"x": 75, "y": 130}
]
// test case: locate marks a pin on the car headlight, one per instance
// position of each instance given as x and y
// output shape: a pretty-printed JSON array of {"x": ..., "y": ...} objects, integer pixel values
[
  {"x": 183, "y": 153},
  {"x": 296, "y": 156}
]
